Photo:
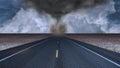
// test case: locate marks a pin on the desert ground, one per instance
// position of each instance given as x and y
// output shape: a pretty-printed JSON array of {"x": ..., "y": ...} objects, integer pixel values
[
  {"x": 107, "y": 41},
  {"x": 13, "y": 40}
]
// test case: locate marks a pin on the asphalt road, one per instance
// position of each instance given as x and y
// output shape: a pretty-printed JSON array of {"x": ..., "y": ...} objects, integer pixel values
[{"x": 56, "y": 52}]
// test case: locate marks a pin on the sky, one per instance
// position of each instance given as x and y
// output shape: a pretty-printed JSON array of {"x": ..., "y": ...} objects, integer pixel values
[{"x": 15, "y": 18}]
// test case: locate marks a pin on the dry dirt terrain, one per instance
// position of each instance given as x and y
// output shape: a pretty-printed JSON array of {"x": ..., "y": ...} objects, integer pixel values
[
  {"x": 107, "y": 41},
  {"x": 13, "y": 40}
]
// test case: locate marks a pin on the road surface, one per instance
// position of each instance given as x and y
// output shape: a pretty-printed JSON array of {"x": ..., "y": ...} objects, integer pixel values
[{"x": 57, "y": 52}]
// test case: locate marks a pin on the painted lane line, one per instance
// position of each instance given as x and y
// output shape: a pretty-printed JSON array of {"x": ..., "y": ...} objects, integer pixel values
[
  {"x": 96, "y": 54},
  {"x": 22, "y": 51},
  {"x": 57, "y": 53}
]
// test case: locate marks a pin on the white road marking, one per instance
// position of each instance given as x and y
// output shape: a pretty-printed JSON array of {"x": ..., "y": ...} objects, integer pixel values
[
  {"x": 57, "y": 53},
  {"x": 22, "y": 51},
  {"x": 97, "y": 54}
]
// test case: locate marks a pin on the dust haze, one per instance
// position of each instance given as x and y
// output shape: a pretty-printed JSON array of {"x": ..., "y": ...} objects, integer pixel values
[{"x": 58, "y": 9}]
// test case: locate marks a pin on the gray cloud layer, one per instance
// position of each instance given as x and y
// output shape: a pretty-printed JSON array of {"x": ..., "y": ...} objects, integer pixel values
[{"x": 92, "y": 20}]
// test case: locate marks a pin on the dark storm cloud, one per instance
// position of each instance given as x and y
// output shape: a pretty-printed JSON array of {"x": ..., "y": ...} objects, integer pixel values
[
  {"x": 92, "y": 21},
  {"x": 60, "y": 7}
]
